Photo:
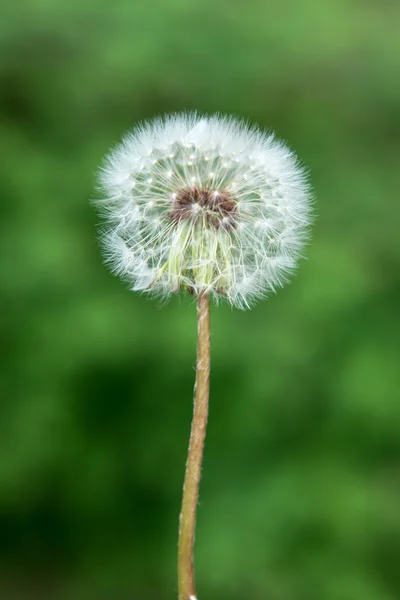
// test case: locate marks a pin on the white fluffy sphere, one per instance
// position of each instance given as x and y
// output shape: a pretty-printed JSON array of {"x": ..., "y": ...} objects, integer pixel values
[{"x": 207, "y": 203}]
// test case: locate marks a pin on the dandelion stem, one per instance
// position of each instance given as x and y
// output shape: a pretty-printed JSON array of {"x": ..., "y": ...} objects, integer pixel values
[{"x": 187, "y": 520}]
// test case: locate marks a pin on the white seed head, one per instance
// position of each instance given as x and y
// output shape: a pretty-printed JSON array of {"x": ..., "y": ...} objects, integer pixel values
[{"x": 180, "y": 214}]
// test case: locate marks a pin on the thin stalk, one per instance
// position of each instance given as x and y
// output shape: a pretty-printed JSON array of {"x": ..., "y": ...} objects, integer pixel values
[{"x": 187, "y": 519}]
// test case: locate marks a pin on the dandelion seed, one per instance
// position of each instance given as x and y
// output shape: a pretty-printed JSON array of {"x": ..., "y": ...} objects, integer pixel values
[{"x": 205, "y": 243}]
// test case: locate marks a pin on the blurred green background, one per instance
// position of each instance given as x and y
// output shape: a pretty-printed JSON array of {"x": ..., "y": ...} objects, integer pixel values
[{"x": 300, "y": 496}]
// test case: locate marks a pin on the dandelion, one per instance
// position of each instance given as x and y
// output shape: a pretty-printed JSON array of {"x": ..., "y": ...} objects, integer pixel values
[{"x": 213, "y": 206}]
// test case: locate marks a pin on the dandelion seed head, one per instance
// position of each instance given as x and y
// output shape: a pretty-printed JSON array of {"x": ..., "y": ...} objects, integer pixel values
[{"x": 205, "y": 203}]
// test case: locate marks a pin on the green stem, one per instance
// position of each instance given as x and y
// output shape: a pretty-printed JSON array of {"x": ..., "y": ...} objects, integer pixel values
[{"x": 187, "y": 520}]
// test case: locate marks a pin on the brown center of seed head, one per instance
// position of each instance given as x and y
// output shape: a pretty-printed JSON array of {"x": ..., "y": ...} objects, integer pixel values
[{"x": 218, "y": 209}]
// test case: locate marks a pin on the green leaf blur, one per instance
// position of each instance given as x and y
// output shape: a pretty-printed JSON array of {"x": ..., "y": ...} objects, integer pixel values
[{"x": 300, "y": 491}]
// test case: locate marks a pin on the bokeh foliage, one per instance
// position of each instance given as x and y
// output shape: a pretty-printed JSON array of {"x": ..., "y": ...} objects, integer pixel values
[{"x": 300, "y": 493}]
